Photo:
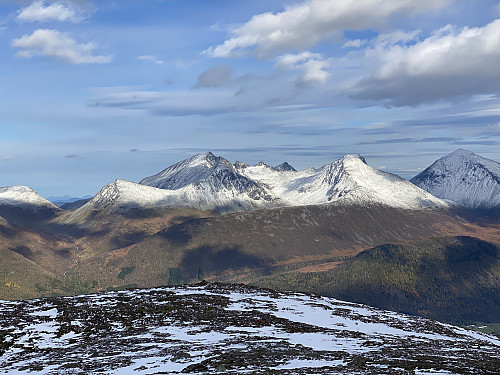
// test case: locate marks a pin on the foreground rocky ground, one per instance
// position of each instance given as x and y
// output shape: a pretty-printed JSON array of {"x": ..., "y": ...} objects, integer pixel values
[{"x": 233, "y": 329}]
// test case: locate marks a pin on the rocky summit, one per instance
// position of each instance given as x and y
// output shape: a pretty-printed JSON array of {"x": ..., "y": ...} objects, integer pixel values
[{"x": 234, "y": 329}]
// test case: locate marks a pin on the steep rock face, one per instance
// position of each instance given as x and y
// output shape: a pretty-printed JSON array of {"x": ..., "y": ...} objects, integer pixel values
[{"x": 463, "y": 177}]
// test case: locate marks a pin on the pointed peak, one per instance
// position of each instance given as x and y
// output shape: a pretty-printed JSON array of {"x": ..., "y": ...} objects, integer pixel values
[
  {"x": 460, "y": 152},
  {"x": 284, "y": 167},
  {"x": 261, "y": 164},
  {"x": 203, "y": 156},
  {"x": 353, "y": 158},
  {"x": 108, "y": 194},
  {"x": 240, "y": 165}
]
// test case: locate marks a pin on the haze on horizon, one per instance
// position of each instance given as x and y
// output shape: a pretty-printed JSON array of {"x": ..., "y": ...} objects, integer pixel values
[{"x": 98, "y": 90}]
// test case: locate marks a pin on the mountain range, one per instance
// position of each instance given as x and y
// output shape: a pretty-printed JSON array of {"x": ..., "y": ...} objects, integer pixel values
[
  {"x": 209, "y": 182},
  {"x": 206, "y": 218}
]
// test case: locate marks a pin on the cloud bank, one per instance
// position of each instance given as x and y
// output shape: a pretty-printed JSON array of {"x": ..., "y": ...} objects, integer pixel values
[
  {"x": 302, "y": 26},
  {"x": 448, "y": 64}
]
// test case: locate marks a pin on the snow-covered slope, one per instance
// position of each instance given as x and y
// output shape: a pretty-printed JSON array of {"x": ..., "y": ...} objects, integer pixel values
[
  {"x": 230, "y": 329},
  {"x": 121, "y": 196},
  {"x": 23, "y": 197},
  {"x": 464, "y": 177},
  {"x": 347, "y": 180},
  {"x": 207, "y": 170},
  {"x": 208, "y": 182}
]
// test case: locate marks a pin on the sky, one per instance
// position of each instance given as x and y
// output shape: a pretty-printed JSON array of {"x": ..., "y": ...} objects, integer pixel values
[{"x": 92, "y": 91}]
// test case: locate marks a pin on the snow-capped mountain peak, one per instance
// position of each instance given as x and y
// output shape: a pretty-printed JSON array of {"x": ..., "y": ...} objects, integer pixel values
[
  {"x": 209, "y": 182},
  {"x": 348, "y": 180},
  {"x": 240, "y": 165},
  {"x": 212, "y": 180},
  {"x": 188, "y": 171},
  {"x": 23, "y": 196},
  {"x": 283, "y": 167},
  {"x": 464, "y": 177}
]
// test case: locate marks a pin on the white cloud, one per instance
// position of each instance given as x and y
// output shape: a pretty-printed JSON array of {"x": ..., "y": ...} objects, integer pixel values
[
  {"x": 312, "y": 66},
  {"x": 54, "y": 44},
  {"x": 150, "y": 58},
  {"x": 448, "y": 64},
  {"x": 388, "y": 39},
  {"x": 301, "y": 26},
  {"x": 356, "y": 43},
  {"x": 43, "y": 11}
]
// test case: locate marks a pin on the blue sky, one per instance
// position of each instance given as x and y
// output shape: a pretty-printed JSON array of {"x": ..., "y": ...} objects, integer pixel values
[{"x": 94, "y": 90}]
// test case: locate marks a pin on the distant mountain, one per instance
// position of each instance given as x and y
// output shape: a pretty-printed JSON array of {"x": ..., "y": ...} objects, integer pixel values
[
  {"x": 463, "y": 177},
  {"x": 60, "y": 200},
  {"x": 347, "y": 180},
  {"x": 19, "y": 202},
  {"x": 210, "y": 194},
  {"x": 284, "y": 167},
  {"x": 23, "y": 196},
  {"x": 232, "y": 329},
  {"x": 71, "y": 206},
  {"x": 210, "y": 182}
]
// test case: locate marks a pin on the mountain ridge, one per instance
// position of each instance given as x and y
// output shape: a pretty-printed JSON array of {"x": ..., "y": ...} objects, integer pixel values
[{"x": 261, "y": 186}]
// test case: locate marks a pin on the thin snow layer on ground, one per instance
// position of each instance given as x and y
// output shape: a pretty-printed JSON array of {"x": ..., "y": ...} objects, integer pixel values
[
  {"x": 232, "y": 329},
  {"x": 125, "y": 195}
]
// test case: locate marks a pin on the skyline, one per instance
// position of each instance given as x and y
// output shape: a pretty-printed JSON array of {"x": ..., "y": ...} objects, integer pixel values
[{"x": 95, "y": 91}]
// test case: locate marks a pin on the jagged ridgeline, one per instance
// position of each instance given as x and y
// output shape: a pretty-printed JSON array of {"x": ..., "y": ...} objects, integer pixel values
[{"x": 208, "y": 182}]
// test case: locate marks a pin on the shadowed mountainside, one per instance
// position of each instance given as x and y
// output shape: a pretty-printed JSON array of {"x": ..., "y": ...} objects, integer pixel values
[
  {"x": 245, "y": 246},
  {"x": 454, "y": 279},
  {"x": 146, "y": 248}
]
